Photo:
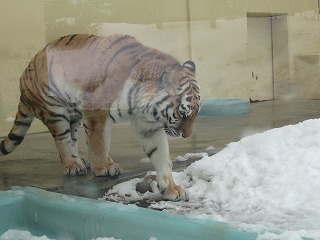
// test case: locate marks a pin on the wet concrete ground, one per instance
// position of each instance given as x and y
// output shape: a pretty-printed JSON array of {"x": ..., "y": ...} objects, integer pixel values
[{"x": 36, "y": 163}]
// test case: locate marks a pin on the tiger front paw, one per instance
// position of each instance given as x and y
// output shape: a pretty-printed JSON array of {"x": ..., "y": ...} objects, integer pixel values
[
  {"x": 74, "y": 168},
  {"x": 174, "y": 193},
  {"x": 86, "y": 163},
  {"x": 105, "y": 169},
  {"x": 171, "y": 191}
]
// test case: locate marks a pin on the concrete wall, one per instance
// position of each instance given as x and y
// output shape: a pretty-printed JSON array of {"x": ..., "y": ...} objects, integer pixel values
[{"x": 254, "y": 49}]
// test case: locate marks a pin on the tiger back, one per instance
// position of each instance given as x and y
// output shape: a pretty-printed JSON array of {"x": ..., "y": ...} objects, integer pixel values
[{"x": 101, "y": 81}]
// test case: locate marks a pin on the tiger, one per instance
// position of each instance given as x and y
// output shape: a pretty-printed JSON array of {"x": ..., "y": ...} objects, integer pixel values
[{"x": 97, "y": 81}]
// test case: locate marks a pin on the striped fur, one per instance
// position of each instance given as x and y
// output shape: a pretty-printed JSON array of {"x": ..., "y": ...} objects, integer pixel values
[{"x": 105, "y": 80}]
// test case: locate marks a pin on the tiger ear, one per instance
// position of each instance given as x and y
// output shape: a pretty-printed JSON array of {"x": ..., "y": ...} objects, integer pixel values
[{"x": 190, "y": 65}]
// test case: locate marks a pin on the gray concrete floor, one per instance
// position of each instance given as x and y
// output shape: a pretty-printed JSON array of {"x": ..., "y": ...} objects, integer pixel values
[{"x": 36, "y": 163}]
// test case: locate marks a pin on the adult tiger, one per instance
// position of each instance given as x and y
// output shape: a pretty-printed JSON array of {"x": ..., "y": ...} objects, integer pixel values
[{"x": 104, "y": 80}]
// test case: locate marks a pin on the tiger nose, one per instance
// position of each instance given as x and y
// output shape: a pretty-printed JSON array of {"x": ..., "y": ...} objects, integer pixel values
[{"x": 186, "y": 133}]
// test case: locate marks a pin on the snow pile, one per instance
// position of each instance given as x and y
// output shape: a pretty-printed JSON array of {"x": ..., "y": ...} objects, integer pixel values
[{"x": 266, "y": 183}]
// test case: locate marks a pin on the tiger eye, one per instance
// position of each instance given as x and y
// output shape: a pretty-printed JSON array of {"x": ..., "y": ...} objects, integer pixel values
[{"x": 189, "y": 99}]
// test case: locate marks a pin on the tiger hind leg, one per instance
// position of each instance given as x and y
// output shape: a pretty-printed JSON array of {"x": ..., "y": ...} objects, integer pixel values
[
  {"x": 64, "y": 135},
  {"x": 98, "y": 129}
]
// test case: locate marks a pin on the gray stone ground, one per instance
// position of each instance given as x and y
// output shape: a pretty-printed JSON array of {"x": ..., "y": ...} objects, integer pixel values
[{"x": 36, "y": 163}]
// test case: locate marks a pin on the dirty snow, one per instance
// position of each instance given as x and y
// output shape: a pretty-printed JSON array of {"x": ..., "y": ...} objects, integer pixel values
[{"x": 268, "y": 183}]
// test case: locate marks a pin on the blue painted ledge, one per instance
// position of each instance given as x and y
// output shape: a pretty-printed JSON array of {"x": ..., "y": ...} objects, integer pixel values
[
  {"x": 224, "y": 106},
  {"x": 67, "y": 217}
]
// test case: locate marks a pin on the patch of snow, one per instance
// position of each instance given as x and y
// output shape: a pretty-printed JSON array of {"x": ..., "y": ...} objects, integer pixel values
[
  {"x": 181, "y": 159},
  {"x": 268, "y": 183},
  {"x": 210, "y": 149},
  {"x": 13, "y": 234},
  {"x": 145, "y": 160},
  {"x": 191, "y": 156}
]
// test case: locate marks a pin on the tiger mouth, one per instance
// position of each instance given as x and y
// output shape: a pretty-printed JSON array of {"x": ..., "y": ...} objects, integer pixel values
[{"x": 172, "y": 132}]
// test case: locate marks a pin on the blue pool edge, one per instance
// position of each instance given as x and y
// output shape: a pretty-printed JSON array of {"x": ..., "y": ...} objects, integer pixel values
[
  {"x": 54, "y": 214},
  {"x": 224, "y": 106}
]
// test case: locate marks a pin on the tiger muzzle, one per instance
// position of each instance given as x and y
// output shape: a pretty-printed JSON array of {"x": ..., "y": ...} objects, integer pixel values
[
  {"x": 186, "y": 128},
  {"x": 186, "y": 134}
]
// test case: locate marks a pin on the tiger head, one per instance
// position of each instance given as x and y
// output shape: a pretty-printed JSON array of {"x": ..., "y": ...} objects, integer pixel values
[{"x": 180, "y": 105}]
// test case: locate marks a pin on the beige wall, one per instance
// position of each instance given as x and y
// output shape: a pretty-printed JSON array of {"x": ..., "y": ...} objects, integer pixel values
[
  {"x": 243, "y": 48},
  {"x": 228, "y": 63},
  {"x": 304, "y": 55},
  {"x": 22, "y": 35}
]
